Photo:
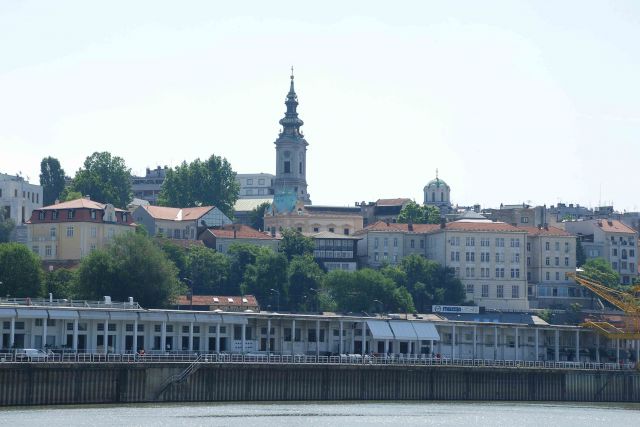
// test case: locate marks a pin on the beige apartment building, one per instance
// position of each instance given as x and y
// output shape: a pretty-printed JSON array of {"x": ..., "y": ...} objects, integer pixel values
[
  {"x": 551, "y": 254},
  {"x": 70, "y": 230},
  {"x": 609, "y": 239},
  {"x": 489, "y": 259},
  {"x": 310, "y": 219}
]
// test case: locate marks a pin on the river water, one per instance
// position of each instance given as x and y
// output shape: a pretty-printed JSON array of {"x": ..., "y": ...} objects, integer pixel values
[{"x": 311, "y": 414}]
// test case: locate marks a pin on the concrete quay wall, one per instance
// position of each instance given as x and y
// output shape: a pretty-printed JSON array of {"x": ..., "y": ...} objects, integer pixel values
[{"x": 51, "y": 384}]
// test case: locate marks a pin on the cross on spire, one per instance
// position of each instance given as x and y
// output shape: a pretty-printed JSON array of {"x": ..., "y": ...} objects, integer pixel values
[{"x": 436, "y": 173}]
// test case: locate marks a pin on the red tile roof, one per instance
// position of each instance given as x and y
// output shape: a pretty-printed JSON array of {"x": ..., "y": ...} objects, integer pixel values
[
  {"x": 614, "y": 226},
  {"x": 81, "y": 203},
  {"x": 222, "y": 300},
  {"x": 177, "y": 214},
  {"x": 481, "y": 225},
  {"x": 241, "y": 232},
  {"x": 545, "y": 231},
  {"x": 399, "y": 227}
]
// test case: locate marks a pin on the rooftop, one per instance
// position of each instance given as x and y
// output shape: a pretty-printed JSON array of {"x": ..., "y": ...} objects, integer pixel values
[
  {"x": 177, "y": 214},
  {"x": 241, "y": 232},
  {"x": 81, "y": 203}
]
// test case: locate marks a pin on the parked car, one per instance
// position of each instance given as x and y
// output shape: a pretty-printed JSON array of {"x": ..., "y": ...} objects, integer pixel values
[{"x": 30, "y": 354}]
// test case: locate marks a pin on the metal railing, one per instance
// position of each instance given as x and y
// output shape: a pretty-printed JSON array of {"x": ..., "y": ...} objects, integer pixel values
[
  {"x": 60, "y": 302},
  {"x": 343, "y": 359}
]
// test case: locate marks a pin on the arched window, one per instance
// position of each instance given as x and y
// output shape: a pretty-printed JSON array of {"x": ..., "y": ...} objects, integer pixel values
[
  {"x": 433, "y": 196},
  {"x": 442, "y": 196}
]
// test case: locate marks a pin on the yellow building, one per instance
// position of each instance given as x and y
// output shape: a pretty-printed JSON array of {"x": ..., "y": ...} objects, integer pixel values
[{"x": 70, "y": 230}]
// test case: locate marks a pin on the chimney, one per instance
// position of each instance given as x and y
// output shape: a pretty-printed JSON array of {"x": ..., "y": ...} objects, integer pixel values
[
  {"x": 443, "y": 222},
  {"x": 546, "y": 226},
  {"x": 87, "y": 197},
  {"x": 273, "y": 232}
]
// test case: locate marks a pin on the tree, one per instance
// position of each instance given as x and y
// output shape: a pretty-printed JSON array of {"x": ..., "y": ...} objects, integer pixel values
[
  {"x": 61, "y": 283},
  {"x": 413, "y": 212},
  {"x": 201, "y": 183},
  {"x": 20, "y": 272},
  {"x": 367, "y": 290},
  {"x": 51, "y": 180},
  {"x": 6, "y": 227},
  {"x": 105, "y": 178},
  {"x": 600, "y": 270},
  {"x": 581, "y": 257},
  {"x": 207, "y": 269},
  {"x": 131, "y": 266},
  {"x": 430, "y": 283},
  {"x": 305, "y": 283},
  {"x": 69, "y": 194},
  {"x": 256, "y": 217},
  {"x": 177, "y": 254},
  {"x": 241, "y": 255},
  {"x": 294, "y": 243},
  {"x": 267, "y": 279}
]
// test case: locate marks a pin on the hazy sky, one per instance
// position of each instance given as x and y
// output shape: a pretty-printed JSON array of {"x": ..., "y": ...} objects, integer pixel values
[{"x": 512, "y": 101}]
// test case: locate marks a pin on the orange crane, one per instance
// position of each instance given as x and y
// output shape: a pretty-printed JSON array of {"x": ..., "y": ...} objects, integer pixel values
[{"x": 628, "y": 302}]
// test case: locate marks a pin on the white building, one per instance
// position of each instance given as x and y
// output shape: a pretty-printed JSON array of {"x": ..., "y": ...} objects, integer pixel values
[
  {"x": 255, "y": 185},
  {"x": 18, "y": 199}
]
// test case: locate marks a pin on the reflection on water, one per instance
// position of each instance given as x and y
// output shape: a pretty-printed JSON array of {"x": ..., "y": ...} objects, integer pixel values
[{"x": 329, "y": 414}]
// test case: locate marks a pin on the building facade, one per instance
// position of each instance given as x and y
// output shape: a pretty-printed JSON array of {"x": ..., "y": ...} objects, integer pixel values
[
  {"x": 71, "y": 230},
  {"x": 255, "y": 185},
  {"x": 148, "y": 187},
  {"x": 551, "y": 254},
  {"x": 224, "y": 237},
  {"x": 609, "y": 239},
  {"x": 314, "y": 219},
  {"x": 438, "y": 193},
  {"x": 386, "y": 210},
  {"x": 335, "y": 251},
  {"x": 179, "y": 223},
  {"x": 18, "y": 199}
]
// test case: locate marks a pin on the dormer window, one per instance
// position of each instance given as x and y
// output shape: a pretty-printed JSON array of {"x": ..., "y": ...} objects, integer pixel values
[
  {"x": 54, "y": 215},
  {"x": 93, "y": 214},
  {"x": 71, "y": 213},
  {"x": 124, "y": 217},
  {"x": 41, "y": 215}
]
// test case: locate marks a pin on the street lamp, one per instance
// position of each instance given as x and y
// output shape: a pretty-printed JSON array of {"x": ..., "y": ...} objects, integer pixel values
[
  {"x": 315, "y": 300},
  {"x": 274, "y": 291},
  {"x": 381, "y": 305},
  {"x": 190, "y": 294}
]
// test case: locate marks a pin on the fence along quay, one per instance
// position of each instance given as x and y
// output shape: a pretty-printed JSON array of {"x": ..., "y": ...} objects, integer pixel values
[{"x": 204, "y": 356}]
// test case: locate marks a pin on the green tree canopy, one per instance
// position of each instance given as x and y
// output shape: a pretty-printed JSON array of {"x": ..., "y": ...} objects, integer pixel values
[
  {"x": 600, "y": 270},
  {"x": 61, "y": 283},
  {"x": 431, "y": 283},
  {"x": 241, "y": 255},
  {"x": 51, "y": 180},
  {"x": 131, "y": 266},
  {"x": 177, "y": 254},
  {"x": 305, "y": 283},
  {"x": 20, "y": 271},
  {"x": 207, "y": 269},
  {"x": 417, "y": 214},
  {"x": 211, "y": 182},
  {"x": 267, "y": 279},
  {"x": 105, "y": 178},
  {"x": 367, "y": 290},
  {"x": 256, "y": 217},
  {"x": 294, "y": 243}
]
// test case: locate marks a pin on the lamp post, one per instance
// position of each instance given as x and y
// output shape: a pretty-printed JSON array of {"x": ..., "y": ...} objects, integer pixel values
[
  {"x": 190, "y": 294},
  {"x": 315, "y": 299},
  {"x": 275, "y": 291},
  {"x": 381, "y": 305}
]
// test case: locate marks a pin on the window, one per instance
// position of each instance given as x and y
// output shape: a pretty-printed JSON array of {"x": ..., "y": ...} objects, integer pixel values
[
  {"x": 287, "y": 334},
  {"x": 316, "y": 229},
  {"x": 47, "y": 250},
  {"x": 421, "y": 244},
  {"x": 557, "y": 261},
  {"x": 261, "y": 181},
  {"x": 528, "y": 261},
  {"x": 385, "y": 242},
  {"x": 346, "y": 231},
  {"x": 484, "y": 242},
  {"x": 615, "y": 252},
  {"x": 395, "y": 242},
  {"x": 413, "y": 244},
  {"x": 249, "y": 181},
  {"x": 632, "y": 253},
  {"x": 557, "y": 245},
  {"x": 94, "y": 231},
  {"x": 331, "y": 229},
  {"x": 52, "y": 232},
  {"x": 515, "y": 257},
  {"x": 41, "y": 215},
  {"x": 500, "y": 291},
  {"x": 470, "y": 256},
  {"x": 547, "y": 261},
  {"x": 54, "y": 215},
  {"x": 500, "y": 242},
  {"x": 93, "y": 214},
  {"x": 557, "y": 276},
  {"x": 566, "y": 246},
  {"x": 485, "y": 291},
  {"x": 546, "y": 246},
  {"x": 566, "y": 261},
  {"x": 469, "y": 288},
  {"x": 470, "y": 241},
  {"x": 515, "y": 291},
  {"x": 524, "y": 219},
  {"x": 547, "y": 276},
  {"x": 70, "y": 231},
  {"x": 528, "y": 246},
  {"x": 375, "y": 243},
  {"x": 35, "y": 249},
  {"x": 287, "y": 166},
  {"x": 71, "y": 214}
]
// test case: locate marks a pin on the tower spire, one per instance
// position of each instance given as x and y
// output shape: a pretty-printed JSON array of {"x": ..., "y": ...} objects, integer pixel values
[{"x": 290, "y": 122}]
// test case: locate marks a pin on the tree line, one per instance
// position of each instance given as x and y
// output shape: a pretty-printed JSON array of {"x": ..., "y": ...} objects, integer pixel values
[
  {"x": 155, "y": 271},
  {"x": 107, "y": 179}
]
